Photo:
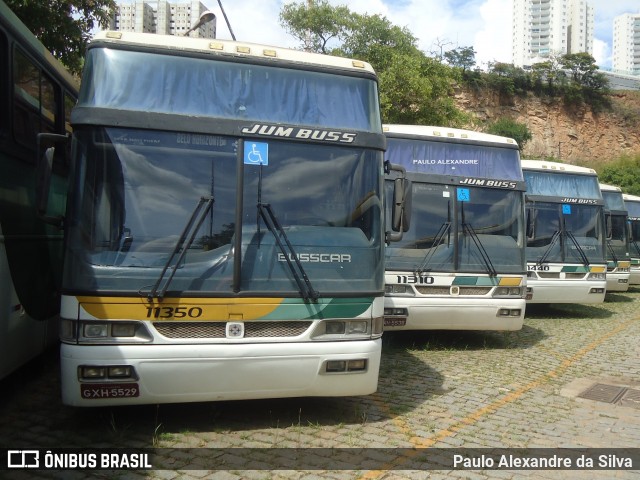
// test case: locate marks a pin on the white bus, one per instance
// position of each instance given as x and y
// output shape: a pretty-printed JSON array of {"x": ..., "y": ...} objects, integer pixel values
[
  {"x": 36, "y": 95},
  {"x": 225, "y": 224},
  {"x": 632, "y": 202},
  {"x": 565, "y": 234},
  {"x": 618, "y": 245},
  {"x": 461, "y": 264}
]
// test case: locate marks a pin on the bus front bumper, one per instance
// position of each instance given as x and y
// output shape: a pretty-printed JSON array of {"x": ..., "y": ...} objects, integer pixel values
[
  {"x": 209, "y": 372},
  {"x": 455, "y": 313},
  {"x": 564, "y": 291}
]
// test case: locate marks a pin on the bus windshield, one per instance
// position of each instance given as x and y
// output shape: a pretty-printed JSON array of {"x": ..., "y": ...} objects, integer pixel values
[
  {"x": 457, "y": 232},
  {"x": 564, "y": 233},
  {"x": 136, "y": 190}
]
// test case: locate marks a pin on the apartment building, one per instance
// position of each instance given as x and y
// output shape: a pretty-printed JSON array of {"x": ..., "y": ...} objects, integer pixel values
[
  {"x": 626, "y": 44},
  {"x": 542, "y": 28},
  {"x": 162, "y": 17}
]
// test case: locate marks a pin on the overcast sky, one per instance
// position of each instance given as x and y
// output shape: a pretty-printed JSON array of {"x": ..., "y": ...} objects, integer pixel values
[{"x": 483, "y": 24}]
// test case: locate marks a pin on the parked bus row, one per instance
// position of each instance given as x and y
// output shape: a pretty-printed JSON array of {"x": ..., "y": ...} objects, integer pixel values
[{"x": 233, "y": 228}]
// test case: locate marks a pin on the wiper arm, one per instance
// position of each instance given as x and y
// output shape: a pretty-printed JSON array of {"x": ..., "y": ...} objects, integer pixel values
[
  {"x": 190, "y": 230},
  {"x": 466, "y": 227},
  {"x": 270, "y": 220},
  {"x": 547, "y": 252},
  {"x": 444, "y": 229},
  {"x": 583, "y": 257},
  {"x": 613, "y": 253}
]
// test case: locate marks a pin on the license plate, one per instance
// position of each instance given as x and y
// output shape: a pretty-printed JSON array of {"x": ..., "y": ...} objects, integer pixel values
[
  {"x": 395, "y": 322},
  {"x": 96, "y": 391}
]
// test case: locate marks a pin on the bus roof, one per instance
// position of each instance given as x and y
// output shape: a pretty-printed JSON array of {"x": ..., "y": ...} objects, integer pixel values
[
  {"x": 446, "y": 132},
  {"x": 229, "y": 48},
  {"x": 556, "y": 167},
  {"x": 610, "y": 188},
  {"x": 630, "y": 198}
]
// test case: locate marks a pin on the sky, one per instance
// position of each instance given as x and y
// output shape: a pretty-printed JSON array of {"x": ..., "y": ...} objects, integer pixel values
[{"x": 438, "y": 24}]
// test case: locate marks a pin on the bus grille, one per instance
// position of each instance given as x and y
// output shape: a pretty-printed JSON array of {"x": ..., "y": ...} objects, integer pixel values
[
  {"x": 439, "y": 290},
  {"x": 574, "y": 276},
  {"x": 548, "y": 274},
  {"x": 254, "y": 329},
  {"x": 433, "y": 290}
]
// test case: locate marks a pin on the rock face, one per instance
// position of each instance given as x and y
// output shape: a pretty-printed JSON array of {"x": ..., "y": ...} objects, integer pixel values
[{"x": 572, "y": 134}]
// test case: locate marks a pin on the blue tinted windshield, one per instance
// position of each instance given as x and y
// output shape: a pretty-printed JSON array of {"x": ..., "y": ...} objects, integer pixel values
[
  {"x": 445, "y": 158},
  {"x": 140, "y": 81},
  {"x": 562, "y": 184}
]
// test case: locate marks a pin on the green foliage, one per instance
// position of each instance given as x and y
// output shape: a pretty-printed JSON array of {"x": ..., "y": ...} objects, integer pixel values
[
  {"x": 461, "y": 57},
  {"x": 574, "y": 78},
  {"x": 506, "y": 127},
  {"x": 315, "y": 27},
  {"x": 624, "y": 173},
  {"x": 414, "y": 88},
  {"x": 63, "y": 26}
]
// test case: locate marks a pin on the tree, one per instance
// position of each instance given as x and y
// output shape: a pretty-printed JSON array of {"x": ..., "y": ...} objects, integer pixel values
[
  {"x": 316, "y": 23},
  {"x": 506, "y": 127},
  {"x": 461, "y": 57},
  {"x": 413, "y": 87},
  {"x": 64, "y": 26},
  {"x": 582, "y": 67},
  {"x": 624, "y": 172}
]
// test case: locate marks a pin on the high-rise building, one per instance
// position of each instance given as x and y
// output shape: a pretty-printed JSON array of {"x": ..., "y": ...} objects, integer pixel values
[
  {"x": 626, "y": 44},
  {"x": 166, "y": 18},
  {"x": 542, "y": 28}
]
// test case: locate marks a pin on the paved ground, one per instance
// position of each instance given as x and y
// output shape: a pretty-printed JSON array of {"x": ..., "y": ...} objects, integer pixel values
[{"x": 441, "y": 390}]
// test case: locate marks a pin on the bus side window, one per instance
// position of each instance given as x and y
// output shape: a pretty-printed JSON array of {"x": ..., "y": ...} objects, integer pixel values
[
  {"x": 34, "y": 101},
  {"x": 4, "y": 101}
]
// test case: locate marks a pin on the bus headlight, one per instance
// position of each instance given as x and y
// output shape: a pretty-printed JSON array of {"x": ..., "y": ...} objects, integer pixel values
[
  {"x": 330, "y": 330},
  {"x": 597, "y": 276},
  {"x": 507, "y": 292},
  {"x": 395, "y": 289},
  {"x": 103, "y": 332}
]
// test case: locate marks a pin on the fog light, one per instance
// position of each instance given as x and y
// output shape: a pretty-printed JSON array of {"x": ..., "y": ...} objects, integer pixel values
[
  {"x": 333, "y": 366},
  {"x": 123, "y": 329},
  {"x": 335, "y": 328},
  {"x": 503, "y": 312},
  {"x": 92, "y": 372},
  {"x": 357, "y": 365},
  {"x": 515, "y": 312},
  {"x": 596, "y": 290}
]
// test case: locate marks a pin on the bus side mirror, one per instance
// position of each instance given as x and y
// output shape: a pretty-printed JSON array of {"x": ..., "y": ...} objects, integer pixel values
[
  {"x": 45, "y": 167},
  {"x": 401, "y": 208},
  {"x": 608, "y": 226},
  {"x": 531, "y": 224}
]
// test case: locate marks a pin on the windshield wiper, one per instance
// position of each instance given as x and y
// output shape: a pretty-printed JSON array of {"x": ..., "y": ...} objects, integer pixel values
[
  {"x": 547, "y": 252},
  {"x": 468, "y": 229},
  {"x": 444, "y": 229},
  {"x": 274, "y": 226},
  {"x": 614, "y": 257},
  {"x": 583, "y": 257},
  {"x": 190, "y": 230}
]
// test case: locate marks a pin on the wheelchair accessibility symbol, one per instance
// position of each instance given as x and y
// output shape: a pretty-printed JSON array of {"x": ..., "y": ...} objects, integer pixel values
[{"x": 256, "y": 153}]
